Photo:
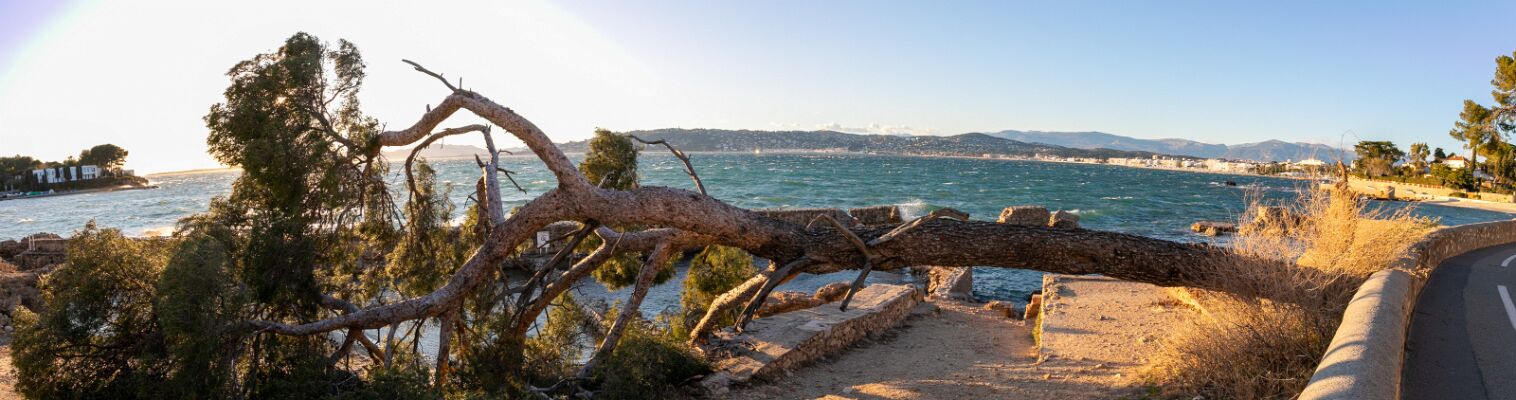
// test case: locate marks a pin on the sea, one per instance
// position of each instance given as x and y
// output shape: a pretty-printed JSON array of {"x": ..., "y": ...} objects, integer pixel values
[{"x": 1148, "y": 202}]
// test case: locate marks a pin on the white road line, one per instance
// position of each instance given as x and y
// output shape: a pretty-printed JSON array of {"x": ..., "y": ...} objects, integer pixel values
[
  {"x": 1510, "y": 309},
  {"x": 1507, "y": 262}
]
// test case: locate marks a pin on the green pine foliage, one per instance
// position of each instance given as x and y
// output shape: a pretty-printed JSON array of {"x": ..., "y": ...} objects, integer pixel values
[
  {"x": 714, "y": 271},
  {"x": 99, "y": 337}
]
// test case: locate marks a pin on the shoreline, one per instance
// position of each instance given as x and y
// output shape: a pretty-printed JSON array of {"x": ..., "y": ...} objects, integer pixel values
[
  {"x": 1508, "y": 208},
  {"x": 82, "y": 191}
]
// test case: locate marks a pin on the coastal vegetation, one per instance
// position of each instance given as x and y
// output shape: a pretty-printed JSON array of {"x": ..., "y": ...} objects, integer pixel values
[{"x": 1485, "y": 131}]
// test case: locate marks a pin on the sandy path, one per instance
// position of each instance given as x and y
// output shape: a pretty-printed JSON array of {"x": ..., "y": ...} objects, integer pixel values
[{"x": 961, "y": 352}]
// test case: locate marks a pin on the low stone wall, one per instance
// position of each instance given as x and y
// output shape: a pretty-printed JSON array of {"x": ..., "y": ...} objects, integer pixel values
[
  {"x": 877, "y": 215},
  {"x": 1410, "y": 191},
  {"x": 770, "y": 346},
  {"x": 803, "y": 216},
  {"x": 1365, "y": 357}
]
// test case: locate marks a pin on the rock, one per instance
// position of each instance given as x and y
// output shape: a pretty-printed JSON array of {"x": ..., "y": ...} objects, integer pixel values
[
  {"x": 1063, "y": 220},
  {"x": 1024, "y": 215},
  {"x": 1033, "y": 308},
  {"x": 10, "y": 249},
  {"x": 955, "y": 283},
  {"x": 876, "y": 215},
  {"x": 783, "y": 302},
  {"x": 1213, "y": 228},
  {"x": 832, "y": 292},
  {"x": 1002, "y": 307},
  {"x": 1276, "y": 216}
]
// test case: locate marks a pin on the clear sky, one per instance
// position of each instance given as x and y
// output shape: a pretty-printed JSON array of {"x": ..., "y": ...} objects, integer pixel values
[{"x": 141, "y": 74}]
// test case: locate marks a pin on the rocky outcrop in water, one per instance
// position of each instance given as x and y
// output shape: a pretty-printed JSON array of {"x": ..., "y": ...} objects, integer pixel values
[{"x": 1063, "y": 220}]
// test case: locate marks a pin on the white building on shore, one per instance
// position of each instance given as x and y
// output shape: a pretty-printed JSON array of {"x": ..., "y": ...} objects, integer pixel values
[{"x": 66, "y": 174}]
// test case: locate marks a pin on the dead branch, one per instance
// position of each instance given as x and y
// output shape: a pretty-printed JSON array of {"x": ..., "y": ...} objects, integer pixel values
[
  {"x": 688, "y": 168},
  {"x": 435, "y": 75},
  {"x": 869, "y": 261},
  {"x": 780, "y": 275},
  {"x": 655, "y": 262},
  {"x": 410, "y": 179},
  {"x": 512, "y": 179}
]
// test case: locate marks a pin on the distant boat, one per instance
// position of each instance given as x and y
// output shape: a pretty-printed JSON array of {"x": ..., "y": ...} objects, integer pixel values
[{"x": 757, "y": 151}]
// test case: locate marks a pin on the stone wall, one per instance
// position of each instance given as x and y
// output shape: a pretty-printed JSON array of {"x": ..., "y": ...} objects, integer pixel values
[
  {"x": 770, "y": 346},
  {"x": 877, "y": 215},
  {"x": 1365, "y": 357},
  {"x": 803, "y": 216},
  {"x": 1411, "y": 191}
]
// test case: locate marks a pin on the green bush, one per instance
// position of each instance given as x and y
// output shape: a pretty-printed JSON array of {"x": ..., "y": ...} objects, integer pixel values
[
  {"x": 647, "y": 364},
  {"x": 98, "y": 337},
  {"x": 1460, "y": 195},
  {"x": 714, "y": 271}
]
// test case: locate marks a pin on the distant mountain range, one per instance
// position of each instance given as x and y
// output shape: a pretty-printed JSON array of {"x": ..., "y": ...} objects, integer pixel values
[
  {"x": 968, "y": 144},
  {"x": 1272, "y": 150}
]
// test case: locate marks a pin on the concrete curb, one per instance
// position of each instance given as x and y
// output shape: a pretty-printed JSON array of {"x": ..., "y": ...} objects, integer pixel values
[{"x": 1366, "y": 354}]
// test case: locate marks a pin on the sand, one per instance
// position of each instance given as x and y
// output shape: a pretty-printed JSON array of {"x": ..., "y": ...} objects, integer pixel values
[{"x": 960, "y": 352}]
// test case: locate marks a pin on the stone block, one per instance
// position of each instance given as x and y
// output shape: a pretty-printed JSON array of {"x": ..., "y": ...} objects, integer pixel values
[
  {"x": 1024, "y": 215},
  {"x": 771, "y": 346},
  {"x": 876, "y": 215},
  {"x": 1004, "y": 308},
  {"x": 832, "y": 292},
  {"x": 1063, "y": 220},
  {"x": 955, "y": 283},
  {"x": 804, "y": 216}
]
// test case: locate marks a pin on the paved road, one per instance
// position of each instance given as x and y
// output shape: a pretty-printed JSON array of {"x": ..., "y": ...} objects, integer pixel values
[{"x": 1462, "y": 343}]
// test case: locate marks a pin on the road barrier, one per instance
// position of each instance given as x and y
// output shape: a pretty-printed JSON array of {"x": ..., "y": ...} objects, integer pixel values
[{"x": 1365, "y": 357}]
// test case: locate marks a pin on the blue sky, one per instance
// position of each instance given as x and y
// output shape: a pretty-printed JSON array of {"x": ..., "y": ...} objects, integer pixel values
[{"x": 1223, "y": 72}]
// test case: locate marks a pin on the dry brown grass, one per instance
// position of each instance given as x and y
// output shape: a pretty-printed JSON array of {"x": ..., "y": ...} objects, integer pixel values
[{"x": 1238, "y": 347}]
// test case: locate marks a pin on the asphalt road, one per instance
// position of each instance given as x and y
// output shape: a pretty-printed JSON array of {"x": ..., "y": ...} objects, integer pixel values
[{"x": 1462, "y": 342}]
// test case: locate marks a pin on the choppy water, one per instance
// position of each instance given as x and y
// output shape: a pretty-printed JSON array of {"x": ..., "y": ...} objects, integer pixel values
[{"x": 1153, "y": 203}]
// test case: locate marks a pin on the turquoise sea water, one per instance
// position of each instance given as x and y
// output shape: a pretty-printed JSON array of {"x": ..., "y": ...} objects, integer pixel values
[{"x": 1153, "y": 203}]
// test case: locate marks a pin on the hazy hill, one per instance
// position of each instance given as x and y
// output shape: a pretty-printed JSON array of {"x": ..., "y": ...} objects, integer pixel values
[
  {"x": 969, "y": 144},
  {"x": 1272, "y": 150}
]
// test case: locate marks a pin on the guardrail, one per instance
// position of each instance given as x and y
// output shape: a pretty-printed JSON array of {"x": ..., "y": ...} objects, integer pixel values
[{"x": 1365, "y": 357}]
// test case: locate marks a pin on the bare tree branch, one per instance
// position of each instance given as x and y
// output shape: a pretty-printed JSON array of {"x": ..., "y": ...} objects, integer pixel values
[
  {"x": 435, "y": 75},
  {"x": 410, "y": 180},
  {"x": 688, "y": 168},
  {"x": 512, "y": 179},
  {"x": 655, "y": 262}
]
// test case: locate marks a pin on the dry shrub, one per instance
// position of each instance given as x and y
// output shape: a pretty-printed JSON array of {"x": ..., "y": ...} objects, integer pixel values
[{"x": 1240, "y": 347}]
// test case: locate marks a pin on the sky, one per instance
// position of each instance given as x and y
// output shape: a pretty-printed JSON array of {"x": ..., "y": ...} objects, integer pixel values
[{"x": 142, "y": 74}]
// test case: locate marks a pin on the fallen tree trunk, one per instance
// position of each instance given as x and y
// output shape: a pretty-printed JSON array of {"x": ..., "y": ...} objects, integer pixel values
[{"x": 682, "y": 219}]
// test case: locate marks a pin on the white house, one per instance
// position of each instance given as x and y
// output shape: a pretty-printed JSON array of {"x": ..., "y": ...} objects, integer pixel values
[
  {"x": 1456, "y": 162},
  {"x": 1311, "y": 162},
  {"x": 66, "y": 174}
]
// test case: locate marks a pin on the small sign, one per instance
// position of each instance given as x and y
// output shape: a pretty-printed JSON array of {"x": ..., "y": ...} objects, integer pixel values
[{"x": 542, "y": 238}]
